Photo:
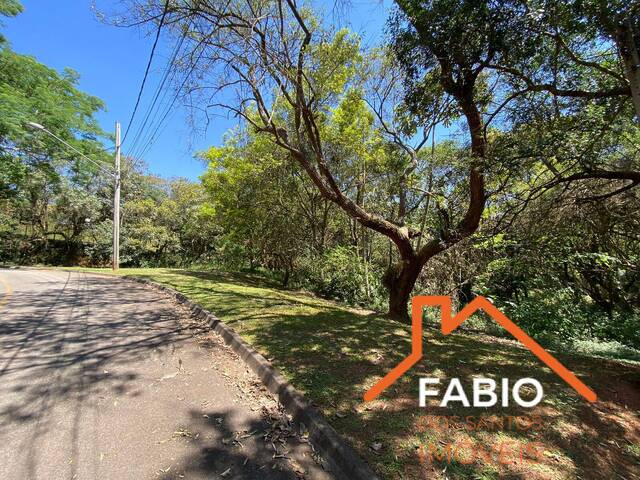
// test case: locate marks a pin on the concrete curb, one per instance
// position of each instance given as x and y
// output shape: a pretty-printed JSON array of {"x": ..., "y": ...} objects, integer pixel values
[{"x": 342, "y": 459}]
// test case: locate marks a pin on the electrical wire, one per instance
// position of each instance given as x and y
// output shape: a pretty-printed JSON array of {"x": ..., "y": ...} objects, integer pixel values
[
  {"x": 146, "y": 73},
  {"x": 160, "y": 89},
  {"x": 157, "y": 127}
]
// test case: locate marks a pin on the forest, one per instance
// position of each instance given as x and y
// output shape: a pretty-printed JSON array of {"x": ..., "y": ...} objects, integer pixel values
[{"x": 484, "y": 148}]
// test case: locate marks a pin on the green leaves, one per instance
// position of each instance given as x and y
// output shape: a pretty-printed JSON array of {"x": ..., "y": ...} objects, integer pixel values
[
  {"x": 8, "y": 8},
  {"x": 32, "y": 92},
  {"x": 334, "y": 62},
  {"x": 48, "y": 192}
]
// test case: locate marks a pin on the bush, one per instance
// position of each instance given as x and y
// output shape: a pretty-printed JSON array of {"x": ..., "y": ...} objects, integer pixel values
[
  {"x": 340, "y": 274},
  {"x": 560, "y": 316}
]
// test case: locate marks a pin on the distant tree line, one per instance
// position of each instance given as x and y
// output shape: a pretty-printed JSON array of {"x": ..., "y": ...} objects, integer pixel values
[{"x": 485, "y": 148}]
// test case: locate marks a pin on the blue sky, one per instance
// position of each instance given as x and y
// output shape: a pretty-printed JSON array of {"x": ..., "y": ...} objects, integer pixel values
[{"x": 111, "y": 63}]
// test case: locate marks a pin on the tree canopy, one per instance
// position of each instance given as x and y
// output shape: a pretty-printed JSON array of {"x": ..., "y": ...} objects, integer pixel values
[{"x": 481, "y": 148}]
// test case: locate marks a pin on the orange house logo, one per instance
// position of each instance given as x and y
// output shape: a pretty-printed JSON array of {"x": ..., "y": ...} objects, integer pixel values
[{"x": 451, "y": 322}]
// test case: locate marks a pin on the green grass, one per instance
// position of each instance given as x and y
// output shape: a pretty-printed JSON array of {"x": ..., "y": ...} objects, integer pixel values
[{"x": 334, "y": 354}]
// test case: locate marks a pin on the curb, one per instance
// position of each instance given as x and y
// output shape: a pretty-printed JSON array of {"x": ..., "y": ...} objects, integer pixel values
[{"x": 342, "y": 459}]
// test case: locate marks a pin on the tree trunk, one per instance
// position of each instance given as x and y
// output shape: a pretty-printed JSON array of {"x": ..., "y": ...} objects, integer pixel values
[
  {"x": 626, "y": 41},
  {"x": 400, "y": 280}
]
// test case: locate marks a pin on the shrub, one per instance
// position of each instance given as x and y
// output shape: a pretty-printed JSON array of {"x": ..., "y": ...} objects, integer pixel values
[{"x": 340, "y": 274}]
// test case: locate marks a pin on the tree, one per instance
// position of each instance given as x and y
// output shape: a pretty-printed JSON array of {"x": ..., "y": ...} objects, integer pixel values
[
  {"x": 164, "y": 222},
  {"x": 33, "y": 92},
  {"x": 289, "y": 74},
  {"x": 39, "y": 177},
  {"x": 559, "y": 104},
  {"x": 568, "y": 59},
  {"x": 618, "y": 22},
  {"x": 277, "y": 68},
  {"x": 9, "y": 8},
  {"x": 252, "y": 204}
]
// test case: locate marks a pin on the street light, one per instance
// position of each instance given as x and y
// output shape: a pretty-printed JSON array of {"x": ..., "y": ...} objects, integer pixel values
[
  {"x": 115, "y": 264},
  {"x": 37, "y": 126}
]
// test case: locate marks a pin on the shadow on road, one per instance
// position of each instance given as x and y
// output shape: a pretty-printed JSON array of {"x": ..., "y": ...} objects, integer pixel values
[
  {"x": 218, "y": 449},
  {"x": 69, "y": 342}
]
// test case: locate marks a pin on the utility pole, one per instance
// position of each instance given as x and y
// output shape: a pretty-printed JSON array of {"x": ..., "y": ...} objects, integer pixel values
[
  {"x": 115, "y": 175},
  {"x": 116, "y": 204}
]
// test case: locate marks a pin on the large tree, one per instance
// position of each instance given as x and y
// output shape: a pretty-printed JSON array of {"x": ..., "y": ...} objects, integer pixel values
[
  {"x": 552, "y": 112},
  {"x": 34, "y": 167},
  {"x": 570, "y": 58},
  {"x": 274, "y": 65}
]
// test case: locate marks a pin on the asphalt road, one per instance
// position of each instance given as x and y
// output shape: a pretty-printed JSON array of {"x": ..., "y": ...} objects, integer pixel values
[{"x": 102, "y": 378}]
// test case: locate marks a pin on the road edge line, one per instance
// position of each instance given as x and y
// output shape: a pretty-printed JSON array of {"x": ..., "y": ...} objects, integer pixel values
[{"x": 8, "y": 291}]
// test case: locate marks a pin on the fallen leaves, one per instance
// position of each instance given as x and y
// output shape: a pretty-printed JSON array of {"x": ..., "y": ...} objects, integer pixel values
[
  {"x": 163, "y": 471},
  {"x": 287, "y": 443}
]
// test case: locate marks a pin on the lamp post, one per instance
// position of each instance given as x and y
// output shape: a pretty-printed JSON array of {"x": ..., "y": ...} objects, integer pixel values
[{"x": 115, "y": 264}]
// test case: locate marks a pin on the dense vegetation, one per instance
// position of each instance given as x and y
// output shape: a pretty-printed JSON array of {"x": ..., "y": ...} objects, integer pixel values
[{"x": 444, "y": 161}]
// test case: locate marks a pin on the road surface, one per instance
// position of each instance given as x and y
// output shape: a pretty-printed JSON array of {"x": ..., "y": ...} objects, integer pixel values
[{"x": 102, "y": 378}]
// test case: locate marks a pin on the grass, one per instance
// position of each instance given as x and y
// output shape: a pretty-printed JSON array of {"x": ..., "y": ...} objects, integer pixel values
[{"x": 334, "y": 354}]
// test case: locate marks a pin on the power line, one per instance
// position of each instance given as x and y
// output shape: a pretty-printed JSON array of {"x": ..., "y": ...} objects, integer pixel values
[
  {"x": 146, "y": 73},
  {"x": 160, "y": 89},
  {"x": 157, "y": 127}
]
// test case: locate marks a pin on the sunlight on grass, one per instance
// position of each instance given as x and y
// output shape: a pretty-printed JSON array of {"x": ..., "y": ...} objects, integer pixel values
[{"x": 334, "y": 353}]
